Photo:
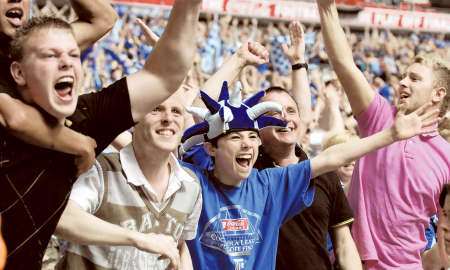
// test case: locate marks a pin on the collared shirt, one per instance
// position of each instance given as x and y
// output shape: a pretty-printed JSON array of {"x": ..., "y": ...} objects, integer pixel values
[
  {"x": 394, "y": 191},
  {"x": 88, "y": 190}
]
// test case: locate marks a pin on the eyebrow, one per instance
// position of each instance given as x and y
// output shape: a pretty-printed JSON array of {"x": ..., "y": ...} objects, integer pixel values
[{"x": 414, "y": 74}]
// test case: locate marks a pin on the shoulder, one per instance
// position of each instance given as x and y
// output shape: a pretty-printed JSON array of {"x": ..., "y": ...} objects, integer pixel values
[{"x": 110, "y": 162}]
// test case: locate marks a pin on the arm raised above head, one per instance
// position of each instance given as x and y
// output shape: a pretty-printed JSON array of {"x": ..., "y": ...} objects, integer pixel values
[
  {"x": 95, "y": 19},
  {"x": 169, "y": 62},
  {"x": 358, "y": 90}
]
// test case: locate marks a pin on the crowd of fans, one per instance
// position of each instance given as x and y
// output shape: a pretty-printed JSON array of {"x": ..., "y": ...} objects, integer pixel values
[{"x": 382, "y": 55}]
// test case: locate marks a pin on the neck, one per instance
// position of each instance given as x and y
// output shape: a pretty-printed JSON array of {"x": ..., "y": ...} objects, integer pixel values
[
  {"x": 225, "y": 179},
  {"x": 282, "y": 154},
  {"x": 155, "y": 168}
]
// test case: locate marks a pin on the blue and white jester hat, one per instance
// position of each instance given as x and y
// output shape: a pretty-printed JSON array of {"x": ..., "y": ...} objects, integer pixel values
[{"x": 228, "y": 114}]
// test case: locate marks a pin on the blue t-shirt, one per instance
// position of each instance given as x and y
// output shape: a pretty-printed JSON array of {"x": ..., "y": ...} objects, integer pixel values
[{"x": 238, "y": 226}]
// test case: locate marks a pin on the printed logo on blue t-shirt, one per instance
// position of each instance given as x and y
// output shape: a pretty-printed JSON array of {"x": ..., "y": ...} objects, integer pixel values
[{"x": 233, "y": 231}]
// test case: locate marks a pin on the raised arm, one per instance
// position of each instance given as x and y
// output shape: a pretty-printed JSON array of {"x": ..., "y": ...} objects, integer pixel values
[
  {"x": 95, "y": 19},
  {"x": 27, "y": 123},
  {"x": 250, "y": 53},
  {"x": 83, "y": 228},
  {"x": 300, "y": 84},
  {"x": 168, "y": 63},
  {"x": 422, "y": 120},
  {"x": 358, "y": 90}
]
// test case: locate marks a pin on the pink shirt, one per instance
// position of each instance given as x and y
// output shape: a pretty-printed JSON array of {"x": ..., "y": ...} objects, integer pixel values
[{"x": 394, "y": 191}]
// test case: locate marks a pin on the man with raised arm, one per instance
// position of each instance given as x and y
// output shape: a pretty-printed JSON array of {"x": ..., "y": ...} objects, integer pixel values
[
  {"x": 304, "y": 239},
  {"x": 47, "y": 70},
  {"x": 24, "y": 121},
  {"x": 394, "y": 190},
  {"x": 244, "y": 208}
]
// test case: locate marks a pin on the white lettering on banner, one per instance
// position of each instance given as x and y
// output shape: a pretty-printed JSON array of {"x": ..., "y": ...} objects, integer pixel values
[
  {"x": 307, "y": 12},
  {"x": 245, "y": 7}
]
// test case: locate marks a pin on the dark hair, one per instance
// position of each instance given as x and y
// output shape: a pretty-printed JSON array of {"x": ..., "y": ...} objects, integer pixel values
[
  {"x": 216, "y": 139},
  {"x": 444, "y": 192},
  {"x": 30, "y": 27}
]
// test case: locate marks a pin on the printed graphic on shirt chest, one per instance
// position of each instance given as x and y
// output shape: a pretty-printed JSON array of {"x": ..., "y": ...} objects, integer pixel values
[{"x": 233, "y": 231}]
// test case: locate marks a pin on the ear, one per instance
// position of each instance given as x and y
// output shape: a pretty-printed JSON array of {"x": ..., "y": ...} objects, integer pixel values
[
  {"x": 210, "y": 149},
  {"x": 438, "y": 94},
  {"x": 17, "y": 74}
]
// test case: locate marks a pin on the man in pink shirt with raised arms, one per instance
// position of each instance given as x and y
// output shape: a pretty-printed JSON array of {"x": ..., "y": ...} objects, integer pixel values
[{"x": 396, "y": 189}]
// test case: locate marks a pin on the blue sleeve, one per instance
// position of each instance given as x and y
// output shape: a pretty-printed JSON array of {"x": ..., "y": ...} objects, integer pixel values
[
  {"x": 290, "y": 189},
  {"x": 197, "y": 155}
]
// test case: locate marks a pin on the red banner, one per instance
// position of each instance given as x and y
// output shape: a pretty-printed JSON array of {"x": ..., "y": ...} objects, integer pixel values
[{"x": 307, "y": 12}]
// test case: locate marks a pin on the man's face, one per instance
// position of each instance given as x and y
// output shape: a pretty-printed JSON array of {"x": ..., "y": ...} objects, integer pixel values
[
  {"x": 49, "y": 73},
  {"x": 235, "y": 155},
  {"x": 345, "y": 172},
  {"x": 13, "y": 13},
  {"x": 163, "y": 127},
  {"x": 276, "y": 135},
  {"x": 416, "y": 87}
]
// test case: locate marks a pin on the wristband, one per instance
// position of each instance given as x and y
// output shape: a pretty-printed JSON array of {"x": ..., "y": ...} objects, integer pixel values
[{"x": 299, "y": 66}]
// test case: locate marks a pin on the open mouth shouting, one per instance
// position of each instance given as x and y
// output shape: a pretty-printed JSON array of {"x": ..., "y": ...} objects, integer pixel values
[
  {"x": 244, "y": 160},
  {"x": 404, "y": 96},
  {"x": 64, "y": 88},
  {"x": 14, "y": 16}
]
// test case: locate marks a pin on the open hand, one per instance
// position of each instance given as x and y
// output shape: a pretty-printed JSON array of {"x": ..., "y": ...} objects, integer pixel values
[
  {"x": 422, "y": 120},
  {"x": 253, "y": 53},
  {"x": 296, "y": 51}
]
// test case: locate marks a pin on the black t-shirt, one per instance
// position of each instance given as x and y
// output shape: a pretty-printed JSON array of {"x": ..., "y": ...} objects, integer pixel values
[
  {"x": 302, "y": 242},
  {"x": 35, "y": 183},
  {"x": 7, "y": 84}
]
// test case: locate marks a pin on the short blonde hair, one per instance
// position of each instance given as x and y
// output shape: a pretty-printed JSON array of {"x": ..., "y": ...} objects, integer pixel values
[
  {"x": 441, "y": 75},
  {"x": 337, "y": 138}
]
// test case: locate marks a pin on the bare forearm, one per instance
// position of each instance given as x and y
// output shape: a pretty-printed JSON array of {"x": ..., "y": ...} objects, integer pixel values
[
  {"x": 95, "y": 19},
  {"x": 345, "y": 249},
  {"x": 336, "y": 120},
  {"x": 341, "y": 154},
  {"x": 169, "y": 62},
  {"x": 348, "y": 257},
  {"x": 185, "y": 258},
  {"x": 174, "y": 53},
  {"x": 80, "y": 227},
  {"x": 229, "y": 71},
  {"x": 340, "y": 55},
  {"x": 27, "y": 123},
  {"x": 302, "y": 94},
  {"x": 337, "y": 47}
]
